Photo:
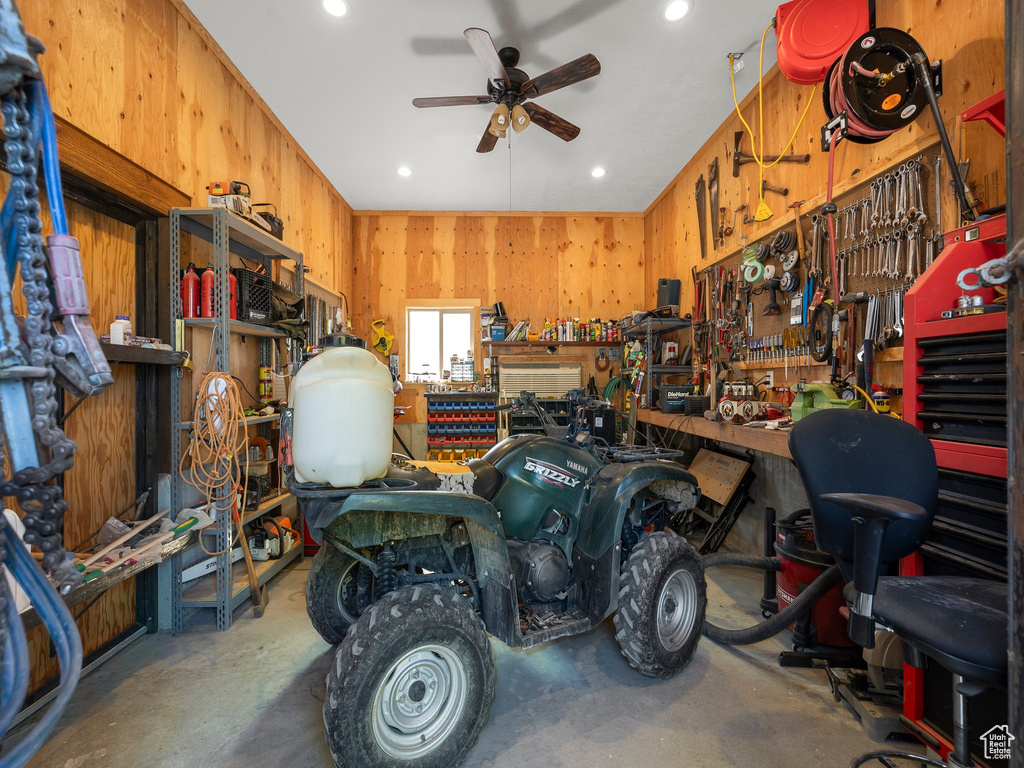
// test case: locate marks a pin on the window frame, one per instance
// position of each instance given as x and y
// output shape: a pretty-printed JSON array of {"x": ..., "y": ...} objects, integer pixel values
[{"x": 469, "y": 307}]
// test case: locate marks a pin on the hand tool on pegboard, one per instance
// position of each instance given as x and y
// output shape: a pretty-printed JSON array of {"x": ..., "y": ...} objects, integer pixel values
[
  {"x": 699, "y": 199},
  {"x": 716, "y": 237},
  {"x": 739, "y": 158}
]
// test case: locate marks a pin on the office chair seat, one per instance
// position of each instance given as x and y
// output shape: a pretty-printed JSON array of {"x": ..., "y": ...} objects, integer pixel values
[{"x": 959, "y": 622}]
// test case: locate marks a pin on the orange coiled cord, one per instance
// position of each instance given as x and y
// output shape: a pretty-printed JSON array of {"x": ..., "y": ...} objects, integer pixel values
[{"x": 219, "y": 437}]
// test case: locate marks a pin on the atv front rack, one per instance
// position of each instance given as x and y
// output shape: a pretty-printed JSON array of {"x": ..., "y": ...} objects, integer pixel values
[{"x": 625, "y": 454}]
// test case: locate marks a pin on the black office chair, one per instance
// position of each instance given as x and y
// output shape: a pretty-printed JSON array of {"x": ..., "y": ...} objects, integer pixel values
[{"x": 872, "y": 483}]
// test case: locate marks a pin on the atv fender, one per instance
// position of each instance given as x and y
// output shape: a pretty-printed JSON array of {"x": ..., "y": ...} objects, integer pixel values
[
  {"x": 598, "y": 546},
  {"x": 370, "y": 519}
]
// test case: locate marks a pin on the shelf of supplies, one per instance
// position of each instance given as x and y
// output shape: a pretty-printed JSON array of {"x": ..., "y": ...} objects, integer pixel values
[
  {"x": 772, "y": 441},
  {"x": 91, "y": 589},
  {"x": 238, "y": 327},
  {"x": 503, "y": 344},
  {"x": 203, "y": 593},
  {"x": 249, "y": 422},
  {"x": 243, "y": 235},
  {"x": 265, "y": 507},
  {"x": 657, "y": 325},
  {"x": 122, "y": 353}
]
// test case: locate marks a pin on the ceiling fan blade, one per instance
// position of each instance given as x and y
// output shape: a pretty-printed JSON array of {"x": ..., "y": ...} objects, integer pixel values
[
  {"x": 482, "y": 45},
  {"x": 551, "y": 122},
  {"x": 488, "y": 142},
  {"x": 451, "y": 101},
  {"x": 583, "y": 68}
]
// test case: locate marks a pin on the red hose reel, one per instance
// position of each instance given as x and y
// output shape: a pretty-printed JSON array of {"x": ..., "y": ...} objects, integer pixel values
[{"x": 813, "y": 34}]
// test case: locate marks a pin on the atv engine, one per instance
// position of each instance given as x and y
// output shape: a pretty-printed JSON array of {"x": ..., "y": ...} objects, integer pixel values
[{"x": 540, "y": 568}]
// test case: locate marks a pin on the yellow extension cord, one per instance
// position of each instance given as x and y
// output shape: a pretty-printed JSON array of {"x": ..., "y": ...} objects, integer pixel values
[{"x": 760, "y": 114}]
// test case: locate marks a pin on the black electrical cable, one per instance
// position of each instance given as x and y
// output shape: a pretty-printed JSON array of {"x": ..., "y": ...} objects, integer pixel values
[
  {"x": 821, "y": 353},
  {"x": 250, "y": 394}
]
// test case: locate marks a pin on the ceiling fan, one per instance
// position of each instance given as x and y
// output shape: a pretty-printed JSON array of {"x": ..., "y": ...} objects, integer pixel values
[{"x": 509, "y": 88}]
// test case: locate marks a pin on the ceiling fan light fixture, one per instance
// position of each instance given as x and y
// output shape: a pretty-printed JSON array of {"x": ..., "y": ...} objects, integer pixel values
[
  {"x": 598, "y": 172},
  {"x": 520, "y": 118},
  {"x": 499, "y": 121},
  {"x": 337, "y": 8},
  {"x": 677, "y": 10}
]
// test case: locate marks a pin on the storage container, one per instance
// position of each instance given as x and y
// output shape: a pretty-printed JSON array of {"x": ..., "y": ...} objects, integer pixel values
[{"x": 343, "y": 407}]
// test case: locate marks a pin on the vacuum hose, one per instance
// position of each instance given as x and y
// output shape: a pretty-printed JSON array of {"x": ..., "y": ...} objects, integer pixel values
[{"x": 817, "y": 589}]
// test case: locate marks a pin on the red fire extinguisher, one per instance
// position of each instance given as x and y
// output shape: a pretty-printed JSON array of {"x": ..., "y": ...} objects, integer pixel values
[
  {"x": 233, "y": 288},
  {"x": 190, "y": 293}
]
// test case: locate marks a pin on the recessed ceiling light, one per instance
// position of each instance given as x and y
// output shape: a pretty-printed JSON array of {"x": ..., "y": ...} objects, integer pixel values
[
  {"x": 405, "y": 171},
  {"x": 598, "y": 172},
  {"x": 337, "y": 8},
  {"x": 677, "y": 9}
]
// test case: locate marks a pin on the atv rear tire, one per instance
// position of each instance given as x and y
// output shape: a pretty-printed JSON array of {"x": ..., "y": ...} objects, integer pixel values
[
  {"x": 412, "y": 683},
  {"x": 662, "y": 599},
  {"x": 330, "y": 593}
]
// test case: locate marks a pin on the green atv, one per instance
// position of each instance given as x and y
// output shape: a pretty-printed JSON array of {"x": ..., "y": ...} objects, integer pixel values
[{"x": 544, "y": 537}]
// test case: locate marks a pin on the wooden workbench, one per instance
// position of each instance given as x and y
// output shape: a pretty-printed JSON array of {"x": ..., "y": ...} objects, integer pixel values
[{"x": 771, "y": 441}]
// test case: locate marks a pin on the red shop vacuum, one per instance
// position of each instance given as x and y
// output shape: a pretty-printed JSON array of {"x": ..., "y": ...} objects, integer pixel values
[
  {"x": 803, "y": 588},
  {"x": 801, "y": 564}
]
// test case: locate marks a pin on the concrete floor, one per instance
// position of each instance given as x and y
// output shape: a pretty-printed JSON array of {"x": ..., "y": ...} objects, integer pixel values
[{"x": 253, "y": 696}]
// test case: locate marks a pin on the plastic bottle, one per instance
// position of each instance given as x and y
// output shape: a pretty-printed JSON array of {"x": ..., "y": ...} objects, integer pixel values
[
  {"x": 121, "y": 330},
  {"x": 343, "y": 417},
  {"x": 190, "y": 293}
]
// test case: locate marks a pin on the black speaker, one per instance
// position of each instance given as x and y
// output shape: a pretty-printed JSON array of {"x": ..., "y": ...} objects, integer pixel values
[{"x": 668, "y": 292}]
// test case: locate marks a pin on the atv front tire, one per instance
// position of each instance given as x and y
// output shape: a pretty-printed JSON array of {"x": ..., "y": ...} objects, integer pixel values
[
  {"x": 412, "y": 683},
  {"x": 662, "y": 600},
  {"x": 331, "y": 593}
]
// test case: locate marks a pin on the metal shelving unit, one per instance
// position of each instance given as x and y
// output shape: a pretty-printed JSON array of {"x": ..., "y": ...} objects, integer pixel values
[
  {"x": 650, "y": 329},
  {"x": 227, "y": 234}
]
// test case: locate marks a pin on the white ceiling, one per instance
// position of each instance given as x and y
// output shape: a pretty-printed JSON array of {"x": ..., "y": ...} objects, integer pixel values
[{"x": 344, "y": 88}]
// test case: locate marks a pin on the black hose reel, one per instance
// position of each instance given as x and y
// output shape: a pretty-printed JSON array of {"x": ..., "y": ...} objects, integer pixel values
[
  {"x": 876, "y": 84},
  {"x": 882, "y": 84}
]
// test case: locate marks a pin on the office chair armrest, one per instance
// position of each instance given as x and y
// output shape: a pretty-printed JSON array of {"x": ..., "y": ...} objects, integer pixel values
[
  {"x": 871, "y": 516},
  {"x": 870, "y": 506}
]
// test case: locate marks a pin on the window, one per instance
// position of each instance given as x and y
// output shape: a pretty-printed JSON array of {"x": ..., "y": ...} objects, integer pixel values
[{"x": 434, "y": 335}]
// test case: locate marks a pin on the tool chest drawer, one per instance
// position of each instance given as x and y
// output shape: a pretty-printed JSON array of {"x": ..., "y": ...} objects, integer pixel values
[
  {"x": 968, "y": 537},
  {"x": 962, "y": 395}
]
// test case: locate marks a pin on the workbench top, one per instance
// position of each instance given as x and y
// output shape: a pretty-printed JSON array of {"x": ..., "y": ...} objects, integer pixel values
[{"x": 771, "y": 441}]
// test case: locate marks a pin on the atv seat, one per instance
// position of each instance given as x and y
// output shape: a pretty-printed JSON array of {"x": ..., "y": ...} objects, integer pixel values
[{"x": 488, "y": 478}]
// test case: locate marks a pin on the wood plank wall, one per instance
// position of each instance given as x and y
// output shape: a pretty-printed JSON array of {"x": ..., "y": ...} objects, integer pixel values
[
  {"x": 571, "y": 265},
  {"x": 145, "y": 79},
  {"x": 968, "y": 37}
]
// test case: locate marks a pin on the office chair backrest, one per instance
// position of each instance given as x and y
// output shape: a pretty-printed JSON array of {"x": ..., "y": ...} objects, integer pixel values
[{"x": 843, "y": 451}]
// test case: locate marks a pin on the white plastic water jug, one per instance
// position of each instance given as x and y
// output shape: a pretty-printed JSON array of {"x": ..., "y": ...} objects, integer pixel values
[{"x": 343, "y": 407}]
